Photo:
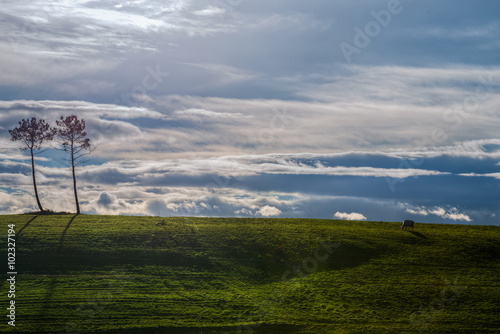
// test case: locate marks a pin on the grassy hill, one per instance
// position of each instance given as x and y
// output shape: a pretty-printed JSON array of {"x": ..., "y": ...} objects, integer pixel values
[{"x": 118, "y": 274}]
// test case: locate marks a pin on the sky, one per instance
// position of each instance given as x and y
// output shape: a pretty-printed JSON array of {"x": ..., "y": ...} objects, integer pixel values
[{"x": 356, "y": 110}]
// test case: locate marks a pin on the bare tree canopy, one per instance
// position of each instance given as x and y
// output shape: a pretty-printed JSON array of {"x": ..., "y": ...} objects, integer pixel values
[
  {"x": 71, "y": 133},
  {"x": 33, "y": 133}
]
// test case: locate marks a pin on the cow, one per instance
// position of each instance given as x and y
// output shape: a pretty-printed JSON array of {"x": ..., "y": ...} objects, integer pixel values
[{"x": 407, "y": 223}]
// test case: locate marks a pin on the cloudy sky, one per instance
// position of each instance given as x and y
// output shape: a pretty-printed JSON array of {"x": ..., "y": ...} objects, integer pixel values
[{"x": 358, "y": 110}]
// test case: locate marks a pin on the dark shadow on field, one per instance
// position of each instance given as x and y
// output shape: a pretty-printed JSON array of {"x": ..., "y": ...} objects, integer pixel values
[
  {"x": 25, "y": 225},
  {"x": 350, "y": 256},
  {"x": 63, "y": 235},
  {"x": 418, "y": 234},
  {"x": 346, "y": 255}
]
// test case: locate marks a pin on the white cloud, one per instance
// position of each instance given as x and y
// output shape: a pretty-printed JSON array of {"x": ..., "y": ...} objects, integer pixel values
[
  {"x": 349, "y": 216},
  {"x": 108, "y": 203},
  {"x": 104, "y": 132},
  {"x": 202, "y": 115},
  {"x": 493, "y": 175},
  {"x": 237, "y": 167},
  {"x": 458, "y": 216},
  {"x": 179, "y": 201},
  {"x": 14, "y": 203},
  {"x": 418, "y": 211},
  {"x": 81, "y": 108},
  {"x": 269, "y": 211},
  {"x": 118, "y": 18},
  {"x": 438, "y": 212},
  {"x": 244, "y": 212},
  {"x": 277, "y": 168},
  {"x": 106, "y": 199},
  {"x": 452, "y": 213},
  {"x": 479, "y": 31},
  {"x": 209, "y": 11},
  {"x": 102, "y": 28}
]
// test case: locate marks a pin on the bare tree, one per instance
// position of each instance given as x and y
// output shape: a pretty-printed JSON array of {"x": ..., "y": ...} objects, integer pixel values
[
  {"x": 71, "y": 131},
  {"x": 33, "y": 133}
]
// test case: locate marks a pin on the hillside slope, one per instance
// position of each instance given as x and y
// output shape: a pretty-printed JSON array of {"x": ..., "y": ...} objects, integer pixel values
[{"x": 121, "y": 274}]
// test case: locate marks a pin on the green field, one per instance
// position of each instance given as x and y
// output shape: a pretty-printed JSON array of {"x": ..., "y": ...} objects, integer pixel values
[{"x": 122, "y": 274}]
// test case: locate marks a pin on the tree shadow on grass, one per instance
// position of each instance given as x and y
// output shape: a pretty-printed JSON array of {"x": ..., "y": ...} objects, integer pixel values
[
  {"x": 46, "y": 304},
  {"x": 63, "y": 235},
  {"x": 418, "y": 234},
  {"x": 25, "y": 225}
]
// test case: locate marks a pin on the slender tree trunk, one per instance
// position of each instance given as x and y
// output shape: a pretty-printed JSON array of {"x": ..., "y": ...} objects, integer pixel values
[
  {"x": 34, "y": 180},
  {"x": 74, "y": 182}
]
